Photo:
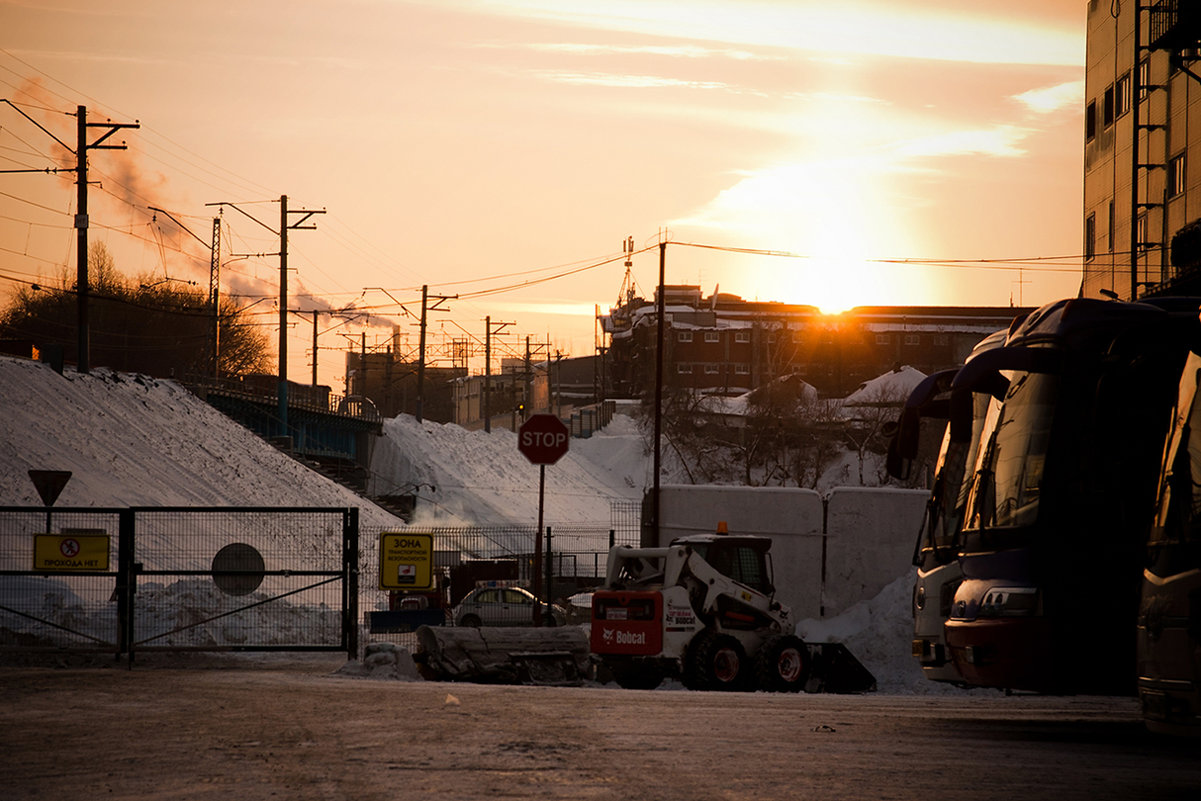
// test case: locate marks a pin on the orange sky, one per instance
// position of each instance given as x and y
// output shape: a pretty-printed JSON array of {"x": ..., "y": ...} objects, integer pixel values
[{"x": 478, "y": 145}]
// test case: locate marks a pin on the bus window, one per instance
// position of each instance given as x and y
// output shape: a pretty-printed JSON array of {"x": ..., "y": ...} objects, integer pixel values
[{"x": 1009, "y": 480}]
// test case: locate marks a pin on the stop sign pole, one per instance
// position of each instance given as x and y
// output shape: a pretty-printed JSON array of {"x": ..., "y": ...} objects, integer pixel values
[{"x": 543, "y": 439}]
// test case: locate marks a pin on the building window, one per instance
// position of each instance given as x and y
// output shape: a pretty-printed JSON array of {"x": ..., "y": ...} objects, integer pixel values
[
  {"x": 942, "y": 339},
  {"x": 712, "y": 336},
  {"x": 1141, "y": 233},
  {"x": 684, "y": 336},
  {"x": 1090, "y": 237},
  {"x": 742, "y": 368},
  {"x": 712, "y": 369},
  {"x": 1144, "y": 79},
  {"x": 1107, "y": 107},
  {"x": 913, "y": 339},
  {"x": 1112, "y": 224},
  {"x": 1176, "y": 176},
  {"x": 683, "y": 368},
  {"x": 742, "y": 336},
  {"x": 883, "y": 339},
  {"x": 1090, "y": 121},
  {"x": 1122, "y": 93}
]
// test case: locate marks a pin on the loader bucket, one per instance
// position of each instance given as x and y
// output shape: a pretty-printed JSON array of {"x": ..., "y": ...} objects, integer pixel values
[{"x": 836, "y": 670}]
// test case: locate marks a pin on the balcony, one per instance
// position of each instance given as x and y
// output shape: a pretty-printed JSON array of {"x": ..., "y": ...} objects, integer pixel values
[{"x": 1175, "y": 25}]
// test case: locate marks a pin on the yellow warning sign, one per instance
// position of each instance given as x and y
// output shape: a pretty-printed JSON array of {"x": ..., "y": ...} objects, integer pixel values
[
  {"x": 406, "y": 561},
  {"x": 74, "y": 551}
]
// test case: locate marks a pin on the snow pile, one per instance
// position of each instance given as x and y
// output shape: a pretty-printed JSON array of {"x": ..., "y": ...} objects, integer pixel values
[
  {"x": 130, "y": 440},
  {"x": 383, "y": 660},
  {"x": 191, "y": 612},
  {"x": 879, "y": 633},
  {"x": 466, "y": 477}
]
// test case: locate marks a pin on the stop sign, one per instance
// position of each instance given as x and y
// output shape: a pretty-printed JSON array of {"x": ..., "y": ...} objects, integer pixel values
[{"x": 543, "y": 439}]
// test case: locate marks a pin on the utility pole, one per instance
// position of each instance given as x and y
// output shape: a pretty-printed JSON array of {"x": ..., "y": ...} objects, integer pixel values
[
  {"x": 284, "y": 226},
  {"x": 215, "y": 295},
  {"x": 281, "y": 386},
  {"x": 487, "y": 406},
  {"x": 316, "y": 314},
  {"x": 425, "y": 295},
  {"x": 82, "y": 290},
  {"x": 661, "y": 313},
  {"x": 214, "y": 247}
]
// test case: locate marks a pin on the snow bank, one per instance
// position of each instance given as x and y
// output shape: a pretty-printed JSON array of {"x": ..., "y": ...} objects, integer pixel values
[
  {"x": 480, "y": 478},
  {"x": 130, "y": 440},
  {"x": 879, "y": 632}
]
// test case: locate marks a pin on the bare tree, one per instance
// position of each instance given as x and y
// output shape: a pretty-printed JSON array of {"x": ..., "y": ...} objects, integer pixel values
[{"x": 152, "y": 326}]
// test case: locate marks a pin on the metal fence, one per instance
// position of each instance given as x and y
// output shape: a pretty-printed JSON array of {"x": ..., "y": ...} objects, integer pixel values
[
  {"x": 181, "y": 578},
  {"x": 249, "y": 578},
  {"x": 558, "y": 563}
]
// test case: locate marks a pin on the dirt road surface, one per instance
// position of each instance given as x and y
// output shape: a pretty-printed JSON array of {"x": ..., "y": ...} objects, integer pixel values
[{"x": 292, "y": 728}]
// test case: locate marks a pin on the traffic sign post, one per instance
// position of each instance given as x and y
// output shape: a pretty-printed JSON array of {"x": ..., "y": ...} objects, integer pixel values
[{"x": 543, "y": 439}]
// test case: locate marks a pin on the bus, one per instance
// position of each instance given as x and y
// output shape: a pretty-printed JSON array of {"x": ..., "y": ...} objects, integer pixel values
[
  {"x": 1169, "y": 618},
  {"x": 936, "y": 551},
  {"x": 1058, "y": 510}
]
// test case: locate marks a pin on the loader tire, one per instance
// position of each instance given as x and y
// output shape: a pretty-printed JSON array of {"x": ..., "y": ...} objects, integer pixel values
[
  {"x": 782, "y": 664},
  {"x": 716, "y": 662}
]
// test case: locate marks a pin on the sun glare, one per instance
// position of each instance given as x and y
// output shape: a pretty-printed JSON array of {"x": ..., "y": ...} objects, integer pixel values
[{"x": 833, "y": 284}]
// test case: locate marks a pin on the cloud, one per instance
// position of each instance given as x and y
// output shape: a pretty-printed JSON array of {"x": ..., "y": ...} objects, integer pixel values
[
  {"x": 1002, "y": 141},
  {"x": 673, "y": 51},
  {"x": 1053, "y": 98},
  {"x": 875, "y": 28},
  {"x": 628, "y": 81}
]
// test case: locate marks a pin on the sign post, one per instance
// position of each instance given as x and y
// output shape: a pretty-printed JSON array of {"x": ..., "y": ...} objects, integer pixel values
[{"x": 543, "y": 439}]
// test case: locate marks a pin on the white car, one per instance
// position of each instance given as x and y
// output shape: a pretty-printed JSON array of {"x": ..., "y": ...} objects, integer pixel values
[{"x": 503, "y": 606}]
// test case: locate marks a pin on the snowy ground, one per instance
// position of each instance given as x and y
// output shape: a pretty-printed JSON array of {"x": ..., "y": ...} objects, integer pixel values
[{"x": 132, "y": 440}]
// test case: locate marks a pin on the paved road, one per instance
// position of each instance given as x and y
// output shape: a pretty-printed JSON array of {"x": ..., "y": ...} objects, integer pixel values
[{"x": 293, "y": 729}]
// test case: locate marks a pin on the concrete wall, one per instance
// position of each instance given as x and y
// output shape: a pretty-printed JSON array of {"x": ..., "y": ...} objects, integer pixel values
[
  {"x": 870, "y": 534},
  {"x": 859, "y": 538}
]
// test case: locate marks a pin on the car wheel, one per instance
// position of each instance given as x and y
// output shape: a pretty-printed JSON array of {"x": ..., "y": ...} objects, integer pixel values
[{"x": 470, "y": 620}]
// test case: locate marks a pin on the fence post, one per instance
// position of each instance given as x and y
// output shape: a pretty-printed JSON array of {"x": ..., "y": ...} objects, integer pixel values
[
  {"x": 549, "y": 619},
  {"x": 126, "y": 578},
  {"x": 350, "y": 582}
]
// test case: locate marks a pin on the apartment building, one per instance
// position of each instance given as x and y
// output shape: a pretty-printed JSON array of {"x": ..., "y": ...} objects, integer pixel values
[
  {"x": 1142, "y": 169},
  {"x": 724, "y": 345}
]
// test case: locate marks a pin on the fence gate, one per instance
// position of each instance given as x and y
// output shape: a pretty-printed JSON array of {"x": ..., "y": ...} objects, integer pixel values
[{"x": 179, "y": 578}]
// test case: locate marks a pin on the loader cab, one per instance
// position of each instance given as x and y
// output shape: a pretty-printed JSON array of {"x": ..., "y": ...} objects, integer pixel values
[{"x": 745, "y": 559}]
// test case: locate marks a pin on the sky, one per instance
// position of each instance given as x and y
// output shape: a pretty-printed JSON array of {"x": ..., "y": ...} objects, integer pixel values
[{"x": 503, "y": 152}]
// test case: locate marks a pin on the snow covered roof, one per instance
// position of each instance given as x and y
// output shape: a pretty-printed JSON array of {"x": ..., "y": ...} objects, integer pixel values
[{"x": 894, "y": 386}]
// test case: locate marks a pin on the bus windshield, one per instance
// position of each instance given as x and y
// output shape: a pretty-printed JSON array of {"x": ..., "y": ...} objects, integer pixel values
[
  {"x": 1010, "y": 474},
  {"x": 1178, "y": 521}
]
